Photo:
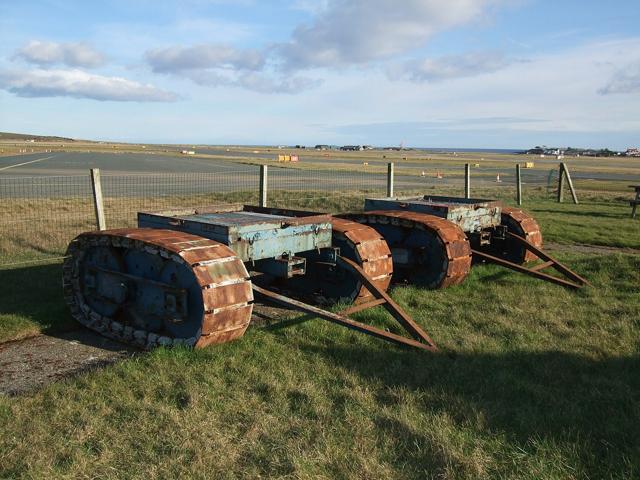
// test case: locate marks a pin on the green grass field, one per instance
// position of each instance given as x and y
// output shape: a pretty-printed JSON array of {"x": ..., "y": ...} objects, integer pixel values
[{"x": 532, "y": 381}]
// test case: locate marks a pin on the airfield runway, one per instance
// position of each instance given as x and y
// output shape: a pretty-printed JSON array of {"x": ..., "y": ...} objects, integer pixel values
[
  {"x": 172, "y": 173},
  {"x": 147, "y": 174}
]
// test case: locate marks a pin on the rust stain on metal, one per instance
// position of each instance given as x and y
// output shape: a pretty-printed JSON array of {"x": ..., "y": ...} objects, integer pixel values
[
  {"x": 372, "y": 253},
  {"x": 524, "y": 226}
]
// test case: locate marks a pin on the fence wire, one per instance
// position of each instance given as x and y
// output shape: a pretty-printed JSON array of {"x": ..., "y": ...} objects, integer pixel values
[
  {"x": 40, "y": 215},
  {"x": 322, "y": 190}
]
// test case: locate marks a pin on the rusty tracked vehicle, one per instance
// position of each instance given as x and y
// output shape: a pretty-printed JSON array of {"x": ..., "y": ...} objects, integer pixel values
[
  {"x": 434, "y": 240},
  {"x": 183, "y": 277},
  {"x": 186, "y": 277}
]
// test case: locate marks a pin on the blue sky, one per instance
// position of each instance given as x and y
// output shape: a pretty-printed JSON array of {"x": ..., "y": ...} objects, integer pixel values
[{"x": 429, "y": 73}]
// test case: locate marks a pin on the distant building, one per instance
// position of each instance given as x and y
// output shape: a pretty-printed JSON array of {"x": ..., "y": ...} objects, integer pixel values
[
  {"x": 188, "y": 152},
  {"x": 352, "y": 148},
  {"x": 632, "y": 152}
]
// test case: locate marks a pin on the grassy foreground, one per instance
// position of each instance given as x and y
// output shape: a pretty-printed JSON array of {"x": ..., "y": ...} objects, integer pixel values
[{"x": 533, "y": 381}]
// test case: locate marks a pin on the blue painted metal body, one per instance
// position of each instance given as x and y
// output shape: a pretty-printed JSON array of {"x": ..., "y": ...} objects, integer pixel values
[
  {"x": 470, "y": 214},
  {"x": 251, "y": 234}
]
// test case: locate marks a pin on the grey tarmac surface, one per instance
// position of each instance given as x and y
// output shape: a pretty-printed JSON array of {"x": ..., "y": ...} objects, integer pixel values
[
  {"x": 28, "y": 176},
  {"x": 28, "y": 365},
  {"x": 227, "y": 176}
]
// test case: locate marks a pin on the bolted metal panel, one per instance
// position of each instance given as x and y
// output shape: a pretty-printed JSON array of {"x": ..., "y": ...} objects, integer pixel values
[
  {"x": 252, "y": 235},
  {"x": 471, "y": 214}
]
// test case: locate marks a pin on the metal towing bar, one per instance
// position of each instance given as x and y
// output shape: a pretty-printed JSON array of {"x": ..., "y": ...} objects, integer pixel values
[
  {"x": 420, "y": 339},
  {"x": 574, "y": 280}
]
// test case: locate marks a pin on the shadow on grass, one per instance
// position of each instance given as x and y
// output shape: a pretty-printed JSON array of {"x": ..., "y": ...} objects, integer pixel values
[
  {"x": 589, "y": 408},
  {"x": 33, "y": 295}
]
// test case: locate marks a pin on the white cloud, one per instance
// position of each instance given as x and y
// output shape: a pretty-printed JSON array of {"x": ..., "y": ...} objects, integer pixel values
[
  {"x": 254, "y": 81},
  {"x": 176, "y": 59},
  {"x": 449, "y": 67},
  {"x": 70, "y": 54},
  {"x": 79, "y": 84},
  {"x": 225, "y": 66},
  {"x": 310, "y": 6},
  {"x": 625, "y": 80},
  {"x": 360, "y": 31}
]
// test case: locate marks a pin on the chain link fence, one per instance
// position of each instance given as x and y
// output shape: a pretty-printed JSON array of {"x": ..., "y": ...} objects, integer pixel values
[{"x": 40, "y": 215}]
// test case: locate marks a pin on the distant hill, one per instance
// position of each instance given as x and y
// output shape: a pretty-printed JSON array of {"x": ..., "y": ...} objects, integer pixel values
[{"x": 6, "y": 136}]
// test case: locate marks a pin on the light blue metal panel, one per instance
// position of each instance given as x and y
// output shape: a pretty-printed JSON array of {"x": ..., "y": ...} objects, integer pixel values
[
  {"x": 251, "y": 235},
  {"x": 470, "y": 214}
]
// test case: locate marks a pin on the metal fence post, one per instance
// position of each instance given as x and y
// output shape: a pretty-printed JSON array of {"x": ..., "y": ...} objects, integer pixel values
[
  {"x": 263, "y": 185},
  {"x": 467, "y": 180},
  {"x": 518, "y": 185},
  {"x": 96, "y": 187},
  {"x": 390, "y": 168}
]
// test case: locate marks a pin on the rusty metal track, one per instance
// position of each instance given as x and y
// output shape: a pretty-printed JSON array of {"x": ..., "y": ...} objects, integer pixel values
[
  {"x": 523, "y": 225},
  {"x": 451, "y": 237},
  {"x": 371, "y": 252},
  {"x": 222, "y": 277}
]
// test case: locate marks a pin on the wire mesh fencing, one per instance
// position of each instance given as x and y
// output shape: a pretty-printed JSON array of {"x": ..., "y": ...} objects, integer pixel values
[
  {"x": 40, "y": 215},
  {"x": 323, "y": 190}
]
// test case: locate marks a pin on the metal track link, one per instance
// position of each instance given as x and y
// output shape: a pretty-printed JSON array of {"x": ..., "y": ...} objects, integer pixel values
[
  {"x": 454, "y": 242},
  {"x": 525, "y": 226},
  {"x": 222, "y": 277},
  {"x": 372, "y": 253}
]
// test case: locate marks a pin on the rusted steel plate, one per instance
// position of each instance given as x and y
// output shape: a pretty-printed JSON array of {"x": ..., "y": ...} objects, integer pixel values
[
  {"x": 202, "y": 256},
  {"x": 226, "y": 295},
  {"x": 361, "y": 235},
  {"x": 221, "y": 271},
  {"x": 378, "y": 268},
  {"x": 220, "y": 337},
  {"x": 373, "y": 250},
  {"x": 230, "y": 318}
]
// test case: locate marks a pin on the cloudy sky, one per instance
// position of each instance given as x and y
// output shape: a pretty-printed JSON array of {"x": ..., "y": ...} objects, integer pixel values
[{"x": 430, "y": 73}]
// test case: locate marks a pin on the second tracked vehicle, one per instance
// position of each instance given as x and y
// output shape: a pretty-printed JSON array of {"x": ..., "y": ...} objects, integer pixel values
[{"x": 186, "y": 276}]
